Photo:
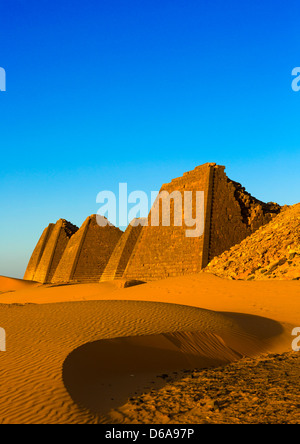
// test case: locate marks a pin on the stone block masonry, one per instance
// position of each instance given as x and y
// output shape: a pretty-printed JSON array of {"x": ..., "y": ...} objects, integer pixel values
[
  {"x": 37, "y": 253},
  {"x": 165, "y": 251},
  {"x": 87, "y": 253},
  {"x": 231, "y": 214},
  {"x": 121, "y": 254},
  {"x": 49, "y": 251}
]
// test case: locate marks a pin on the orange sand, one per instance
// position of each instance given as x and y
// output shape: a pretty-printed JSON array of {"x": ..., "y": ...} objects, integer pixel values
[
  {"x": 76, "y": 351},
  {"x": 10, "y": 284}
]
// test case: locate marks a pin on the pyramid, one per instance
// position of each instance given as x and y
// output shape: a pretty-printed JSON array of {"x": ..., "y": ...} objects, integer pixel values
[
  {"x": 121, "y": 254},
  {"x": 49, "y": 251},
  {"x": 230, "y": 215},
  {"x": 155, "y": 250},
  {"x": 87, "y": 253},
  {"x": 37, "y": 253}
]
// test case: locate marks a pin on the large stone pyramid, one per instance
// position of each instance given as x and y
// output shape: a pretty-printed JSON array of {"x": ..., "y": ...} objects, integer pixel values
[
  {"x": 87, "y": 253},
  {"x": 231, "y": 214},
  {"x": 49, "y": 251}
]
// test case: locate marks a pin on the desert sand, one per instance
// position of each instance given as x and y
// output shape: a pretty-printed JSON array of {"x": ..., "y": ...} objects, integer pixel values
[
  {"x": 8, "y": 284},
  {"x": 79, "y": 353},
  {"x": 262, "y": 390}
]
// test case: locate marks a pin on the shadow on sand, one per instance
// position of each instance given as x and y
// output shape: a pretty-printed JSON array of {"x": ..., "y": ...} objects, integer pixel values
[{"x": 102, "y": 375}]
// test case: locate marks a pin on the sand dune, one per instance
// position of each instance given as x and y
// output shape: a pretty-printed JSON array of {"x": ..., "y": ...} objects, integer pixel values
[
  {"x": 72, "y": 350},
  {"x": 11, "y": 284},
  {"x": 103, "y": 374},
  {"x": 274, "y": 299}
]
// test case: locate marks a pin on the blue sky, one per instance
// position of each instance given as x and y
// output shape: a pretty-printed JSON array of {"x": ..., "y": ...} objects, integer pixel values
[{"x": 107, "y": 91}]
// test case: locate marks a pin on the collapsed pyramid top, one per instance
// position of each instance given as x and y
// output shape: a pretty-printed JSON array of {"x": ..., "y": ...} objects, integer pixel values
[
  {"x": 271, "y": 252},
  {"x": 49, "y": 251},
  {"x": 231, "y": 214}
]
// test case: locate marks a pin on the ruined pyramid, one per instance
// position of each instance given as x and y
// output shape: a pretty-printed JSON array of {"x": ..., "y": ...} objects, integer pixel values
[
  {"x": 231, "y": 214},
  {"x": 272, "y": 252},
  {"x": 49, "y": 251}
]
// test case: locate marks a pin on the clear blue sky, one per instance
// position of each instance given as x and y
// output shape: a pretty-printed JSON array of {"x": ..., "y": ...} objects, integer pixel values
[{"x": 107, "y": 91}]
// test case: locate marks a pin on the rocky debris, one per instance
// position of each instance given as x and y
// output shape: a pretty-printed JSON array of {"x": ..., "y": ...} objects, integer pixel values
[
  {"x": 272, "y": 252},
  {"x": 249, "y": 391},
  {"x": 251, "y": 207}
]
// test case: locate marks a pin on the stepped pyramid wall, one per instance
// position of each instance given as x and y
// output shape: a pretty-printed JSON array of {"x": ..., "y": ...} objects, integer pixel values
[
  {"x": 164, "y": 251},
  {"x": 121, "y": 254},
  {"x": 37, "y": 253},
  {"x": 87, "y": 253},
  {"x": 61, "y": 232},
  {"x": 231, "y": 214}
]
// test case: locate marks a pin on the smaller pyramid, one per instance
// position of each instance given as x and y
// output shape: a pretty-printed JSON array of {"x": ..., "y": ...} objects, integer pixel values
[
  {"x": 38, "y": 253},
  {"x": 123, "y": 251},
  {"x": 58, "y": 238},
  {"x": 87, "y": 253}
]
